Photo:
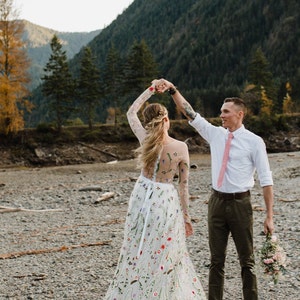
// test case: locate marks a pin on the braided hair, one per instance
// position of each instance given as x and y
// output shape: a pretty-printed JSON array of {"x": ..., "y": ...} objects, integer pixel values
[{"x": 154, "y": 115}]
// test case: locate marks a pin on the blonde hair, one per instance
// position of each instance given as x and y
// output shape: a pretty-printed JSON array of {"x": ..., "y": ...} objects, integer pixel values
[{"x": 154, "y": 115}]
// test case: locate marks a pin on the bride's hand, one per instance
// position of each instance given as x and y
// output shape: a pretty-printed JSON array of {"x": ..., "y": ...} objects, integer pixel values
[
  {"x": 161, "y": 85},
  {"x": 189, "y": 230}
]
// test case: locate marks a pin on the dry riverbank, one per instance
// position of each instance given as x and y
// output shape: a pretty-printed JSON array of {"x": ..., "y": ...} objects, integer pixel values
[{"x": 70, "y": 249}]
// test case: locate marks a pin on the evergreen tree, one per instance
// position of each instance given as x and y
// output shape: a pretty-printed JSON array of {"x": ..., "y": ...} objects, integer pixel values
[
  {"x": 259, "y": 73},
  {"x": 13, "y": 71},
  {"x": 113, "y": 79},
  {"x": 59, "y": 86},
  {"x": 89, "y": 86},
  {"x": 251, "y": 96},
  {"x": 295, "y": 92},
  {"x": 261, "y": 77},
  {"x": 140, "y": 68}
]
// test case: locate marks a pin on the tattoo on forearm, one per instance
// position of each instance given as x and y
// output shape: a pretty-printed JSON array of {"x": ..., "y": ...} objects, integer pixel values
[{"x": 189, "y": 112}]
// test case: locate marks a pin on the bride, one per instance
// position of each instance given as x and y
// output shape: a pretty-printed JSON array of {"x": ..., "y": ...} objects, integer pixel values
[{"x": 154, "y": 262}]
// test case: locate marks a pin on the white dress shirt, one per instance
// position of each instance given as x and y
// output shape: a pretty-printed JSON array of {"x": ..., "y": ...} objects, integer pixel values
[{"x": 247, "y": 154}]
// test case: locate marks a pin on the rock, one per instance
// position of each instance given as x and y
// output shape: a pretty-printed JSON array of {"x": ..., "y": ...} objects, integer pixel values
[{"x": 39, "y": 153}]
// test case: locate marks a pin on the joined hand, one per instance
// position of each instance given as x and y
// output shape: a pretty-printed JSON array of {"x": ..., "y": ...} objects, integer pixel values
[{"x": 161, "y": 85}]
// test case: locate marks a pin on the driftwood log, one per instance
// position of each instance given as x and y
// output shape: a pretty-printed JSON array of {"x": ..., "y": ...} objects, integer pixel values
[
  {"x": 6, "y": 209},
  {"x": 104, "y": 197},
  {"x": 288, "y": 200},
  {"x": 99, "y": 150},
  {"x": 50, "y": 250}
]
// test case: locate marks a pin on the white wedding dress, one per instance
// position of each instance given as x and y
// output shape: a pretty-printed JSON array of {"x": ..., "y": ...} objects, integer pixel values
[{"x": 154, "y": 262}]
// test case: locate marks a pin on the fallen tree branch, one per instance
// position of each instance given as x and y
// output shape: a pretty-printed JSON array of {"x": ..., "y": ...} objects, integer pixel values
[
  {"x": 118, "y": 180},
  {"x": 5, "y": 209},
  {"x": 35, "y": 276},
  {"x": 99, "y": 150},
  {"x": 288, "y": 200},
  {"x": 51, "y": 250},
  {"x": 104, "y": 197},
  {"x": 90, "y": 188},
  {"x": 111, "y": 222},
  {"x": 257, "y": 207}
]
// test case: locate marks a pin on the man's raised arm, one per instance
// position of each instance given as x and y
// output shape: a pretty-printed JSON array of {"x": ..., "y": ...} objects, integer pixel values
[{"x": 183, "y": 105}]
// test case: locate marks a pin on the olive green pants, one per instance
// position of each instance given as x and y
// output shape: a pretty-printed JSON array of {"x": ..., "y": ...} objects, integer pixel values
[{"x": 233, "y": 216}]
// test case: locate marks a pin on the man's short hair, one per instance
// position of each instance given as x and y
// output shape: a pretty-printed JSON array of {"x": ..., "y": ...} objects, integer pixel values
[{"x": 238, "y": 102}]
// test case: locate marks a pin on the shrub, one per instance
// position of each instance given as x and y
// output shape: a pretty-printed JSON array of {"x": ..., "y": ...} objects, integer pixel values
[
  {"x": 45, "y": 127},
  {"x": 74, "y": 122}
]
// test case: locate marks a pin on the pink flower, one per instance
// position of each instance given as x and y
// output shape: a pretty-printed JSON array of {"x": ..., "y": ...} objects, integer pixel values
[
  {"x": 268, "y": 261},
  {"x": 155, "y": 294},
  {"x": 273, "y": 257}
]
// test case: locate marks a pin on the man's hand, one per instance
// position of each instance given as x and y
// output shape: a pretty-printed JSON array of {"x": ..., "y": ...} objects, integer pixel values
[
  {"x": 162, "y": 85},
  {"x": 268, "y": 197},
  {"x": 268, "y": 225}
]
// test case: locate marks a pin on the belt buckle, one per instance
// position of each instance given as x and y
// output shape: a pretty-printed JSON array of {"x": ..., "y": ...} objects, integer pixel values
[{"x": 228, "y": 196}]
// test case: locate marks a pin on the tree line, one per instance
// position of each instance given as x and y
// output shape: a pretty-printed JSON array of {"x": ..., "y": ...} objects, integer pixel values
[
  {"x": 97, "y": 95},
  {"x": 104, "y": 95}
]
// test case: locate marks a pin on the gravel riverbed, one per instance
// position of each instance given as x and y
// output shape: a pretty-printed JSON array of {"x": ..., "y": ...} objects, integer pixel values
[{"x": 63, "y": 242}]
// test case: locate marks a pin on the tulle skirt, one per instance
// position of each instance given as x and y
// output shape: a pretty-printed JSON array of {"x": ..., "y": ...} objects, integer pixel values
[{"x": 154, "y": 262}]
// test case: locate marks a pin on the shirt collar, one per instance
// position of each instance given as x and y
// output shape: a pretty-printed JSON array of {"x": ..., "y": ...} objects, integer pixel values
[{"x": 238, "y": 131}]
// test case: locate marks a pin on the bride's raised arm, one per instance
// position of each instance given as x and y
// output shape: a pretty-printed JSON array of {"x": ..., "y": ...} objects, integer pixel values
[{"x": 133, "y": 120}]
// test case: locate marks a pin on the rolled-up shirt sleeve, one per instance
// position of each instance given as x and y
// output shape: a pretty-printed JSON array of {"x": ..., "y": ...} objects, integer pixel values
[{"x": 262, "y": 165}]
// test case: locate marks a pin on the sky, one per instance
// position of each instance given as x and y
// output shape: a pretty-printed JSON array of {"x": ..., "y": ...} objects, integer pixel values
[{"x": 71, "y": 15}]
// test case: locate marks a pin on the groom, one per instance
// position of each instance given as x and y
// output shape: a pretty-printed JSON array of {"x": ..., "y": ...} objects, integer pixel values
[{"x": 229, "y": 207}]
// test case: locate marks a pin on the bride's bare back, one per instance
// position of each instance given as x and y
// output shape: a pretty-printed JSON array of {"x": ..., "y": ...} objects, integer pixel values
[
  {"x": 174, "y": 157},
  {"x": 173, "y": 160}
]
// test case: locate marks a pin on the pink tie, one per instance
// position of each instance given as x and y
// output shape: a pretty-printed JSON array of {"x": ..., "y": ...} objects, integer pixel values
[{"x": 225, "y": 159}]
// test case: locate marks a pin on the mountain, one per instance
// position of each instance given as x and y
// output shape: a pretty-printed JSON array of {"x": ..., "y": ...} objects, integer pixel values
[
  {"x": 37, "y": 39},
  {"x": 205, "y": 45}
]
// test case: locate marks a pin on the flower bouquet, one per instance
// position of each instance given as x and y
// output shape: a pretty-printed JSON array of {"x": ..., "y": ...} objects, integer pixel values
[{"x": 273, "y": 257}]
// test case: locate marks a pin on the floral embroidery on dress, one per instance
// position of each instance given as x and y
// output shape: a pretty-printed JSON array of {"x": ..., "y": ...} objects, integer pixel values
[{"x": 154, "y": 262}]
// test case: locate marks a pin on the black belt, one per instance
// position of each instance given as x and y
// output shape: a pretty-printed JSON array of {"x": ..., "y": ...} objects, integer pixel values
[{"x": 231, "y": 196}]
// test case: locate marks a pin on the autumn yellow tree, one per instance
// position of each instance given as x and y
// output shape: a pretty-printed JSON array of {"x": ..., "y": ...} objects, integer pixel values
[
  {"x": 13, "y": 70},
  {"x": 288, "y": 105},
  {"x": 266, "y": 103}
]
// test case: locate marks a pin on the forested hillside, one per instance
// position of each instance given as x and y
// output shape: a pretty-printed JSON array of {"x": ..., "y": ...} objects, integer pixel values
[
  {"x": 206, "y": 47},
  {"x": 38, "y": 49}
]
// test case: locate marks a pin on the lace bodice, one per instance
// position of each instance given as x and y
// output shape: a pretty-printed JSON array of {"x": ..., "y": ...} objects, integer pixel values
[{"x": 174, "y": 157}]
